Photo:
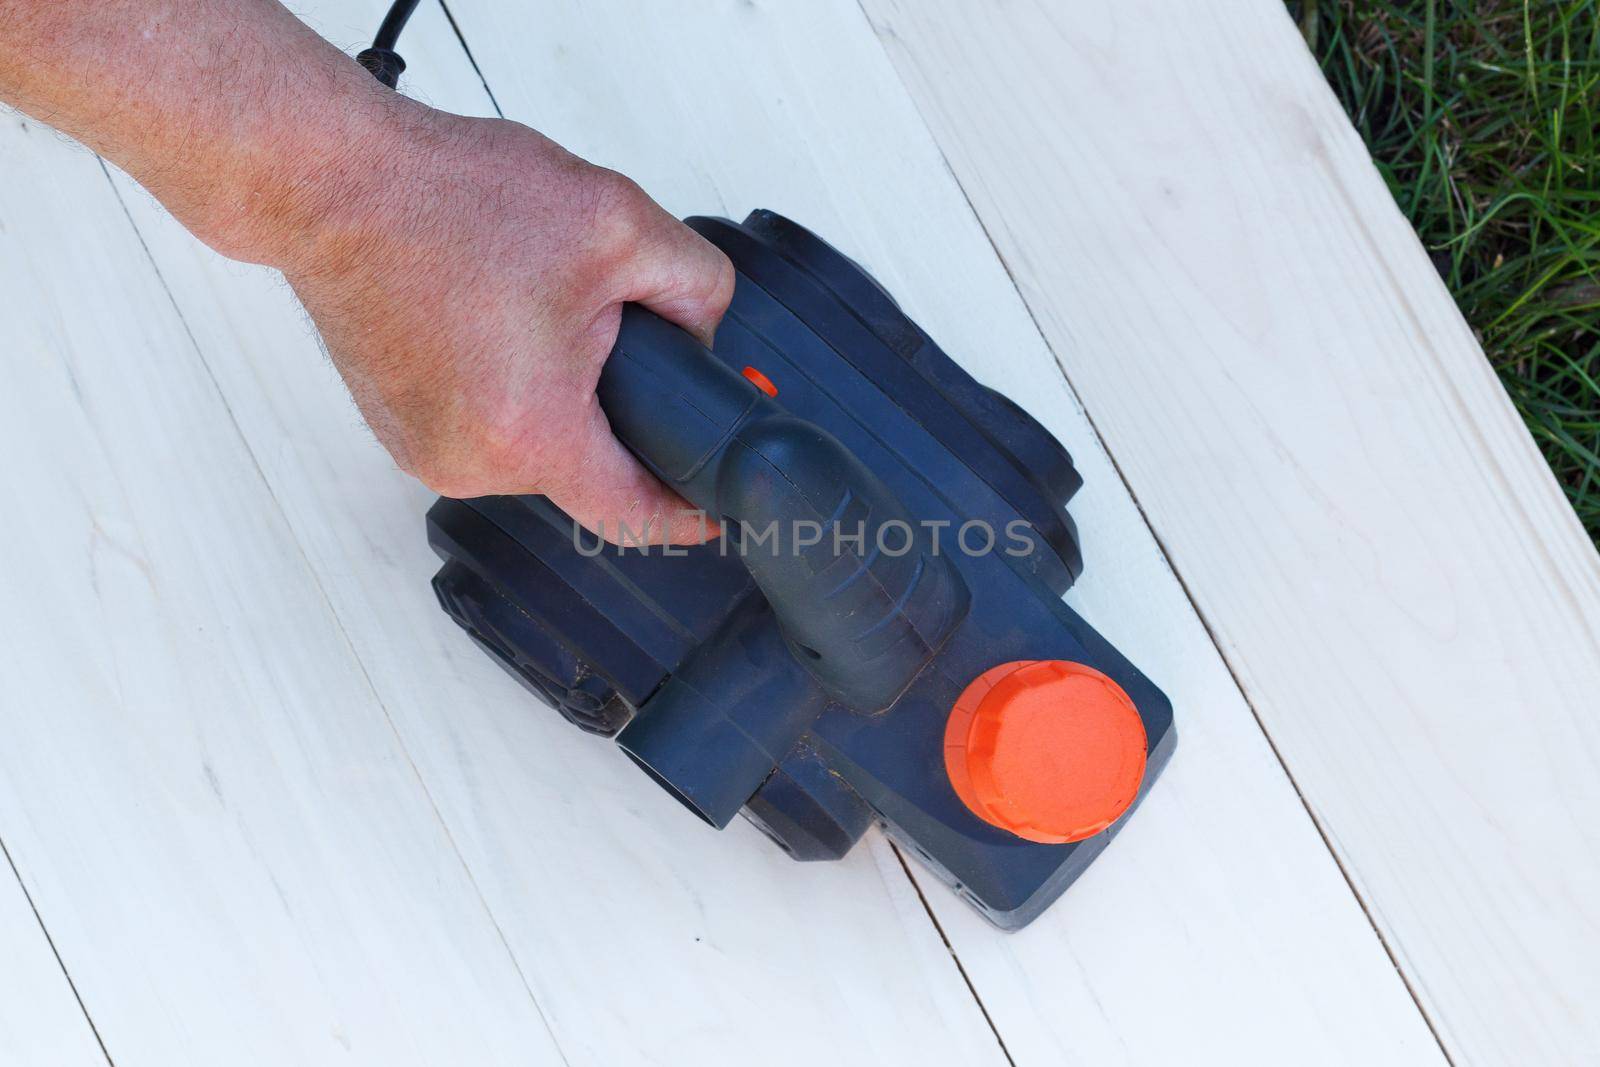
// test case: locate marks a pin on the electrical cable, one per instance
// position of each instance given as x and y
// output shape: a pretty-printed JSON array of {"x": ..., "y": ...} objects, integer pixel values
[{"x": 381, "y": 59}]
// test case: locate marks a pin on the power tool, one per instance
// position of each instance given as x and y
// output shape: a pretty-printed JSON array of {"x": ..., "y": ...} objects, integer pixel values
[{"x": 877, "y": 637}]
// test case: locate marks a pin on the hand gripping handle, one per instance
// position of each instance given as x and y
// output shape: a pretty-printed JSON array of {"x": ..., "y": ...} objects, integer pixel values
[{"x": 863, "y": 600}]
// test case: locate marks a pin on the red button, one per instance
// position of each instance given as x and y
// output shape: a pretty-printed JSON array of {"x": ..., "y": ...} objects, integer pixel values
[
  {"x": 1051, "y": 750},
  {"x": 760, "y": 381}
]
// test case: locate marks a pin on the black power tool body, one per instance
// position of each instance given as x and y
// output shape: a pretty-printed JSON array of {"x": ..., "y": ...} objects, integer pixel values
[{"x": 879, "y": 636}]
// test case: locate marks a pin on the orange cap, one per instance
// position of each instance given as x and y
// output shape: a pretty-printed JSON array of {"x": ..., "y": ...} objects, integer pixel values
[{"x": 1050, "y": 750}]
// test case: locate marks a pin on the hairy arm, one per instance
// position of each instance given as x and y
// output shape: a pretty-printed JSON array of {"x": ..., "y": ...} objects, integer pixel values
[{"x": 467, "y": 275}]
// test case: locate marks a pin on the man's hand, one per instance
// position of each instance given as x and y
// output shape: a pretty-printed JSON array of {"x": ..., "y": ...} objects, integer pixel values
[
  {"x": 467, "y": 275},
  {"x": 471, "y": 305}
]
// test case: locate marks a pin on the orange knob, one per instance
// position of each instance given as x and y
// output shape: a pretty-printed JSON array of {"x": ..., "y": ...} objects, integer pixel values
[{"x": 1050, "y": 750}]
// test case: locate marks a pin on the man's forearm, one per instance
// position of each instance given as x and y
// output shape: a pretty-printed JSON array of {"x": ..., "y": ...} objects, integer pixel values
[
  {"x": 467, "y": 275},
  {"x": 249, "y": 127}
]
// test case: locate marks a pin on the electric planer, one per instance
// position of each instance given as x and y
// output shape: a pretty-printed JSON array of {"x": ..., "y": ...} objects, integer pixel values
[{"x": 879, "y": 634}]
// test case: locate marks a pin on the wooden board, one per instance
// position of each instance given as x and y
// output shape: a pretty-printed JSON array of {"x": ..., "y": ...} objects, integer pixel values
[
  {"x": 1315, "y": 436},
  {"x": 40, "y": 1019},
  {"x": 274, "y": 808}
]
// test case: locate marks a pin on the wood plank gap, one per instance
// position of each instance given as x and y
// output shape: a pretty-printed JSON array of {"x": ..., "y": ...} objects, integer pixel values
[
  {"x": 45, "y": 930},
  {"x": 934, "y": 919},
  {"x": 455, "y": 28}
]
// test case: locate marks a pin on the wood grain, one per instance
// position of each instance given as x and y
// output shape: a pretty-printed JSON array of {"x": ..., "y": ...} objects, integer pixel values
[
  {"x": 229, "y": 848},
  {"x": 1341, "y": 482}
]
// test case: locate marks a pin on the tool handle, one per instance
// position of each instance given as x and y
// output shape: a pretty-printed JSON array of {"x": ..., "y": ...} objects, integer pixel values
[
  {"x": 861, "y": 596},
  {"x": 674, "y": 404}
]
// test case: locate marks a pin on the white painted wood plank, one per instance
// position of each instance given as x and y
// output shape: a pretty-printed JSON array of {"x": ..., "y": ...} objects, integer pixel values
[
  {"x": 229, "y": 848},
  {"x": 612, "y": 895},
  {"x": 644, "y": 937},
  {"x": 40, "y": 1020},
  {"x": 1217, "y": 928},
  {"x": 1313, "y": 431}
]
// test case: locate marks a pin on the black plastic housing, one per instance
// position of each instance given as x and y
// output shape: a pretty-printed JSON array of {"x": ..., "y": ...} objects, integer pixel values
[{"x": 804, "y": 683}]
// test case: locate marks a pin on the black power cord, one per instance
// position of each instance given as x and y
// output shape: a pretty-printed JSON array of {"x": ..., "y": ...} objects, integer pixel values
[{"x": 381, "y": 59}]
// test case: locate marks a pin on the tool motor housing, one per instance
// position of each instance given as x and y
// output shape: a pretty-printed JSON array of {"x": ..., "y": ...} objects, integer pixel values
[{"x": 892, "y": 531}]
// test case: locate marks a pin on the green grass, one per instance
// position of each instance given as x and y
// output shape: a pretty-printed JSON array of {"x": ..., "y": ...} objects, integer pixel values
[{"x": 1484, "y": 118}]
